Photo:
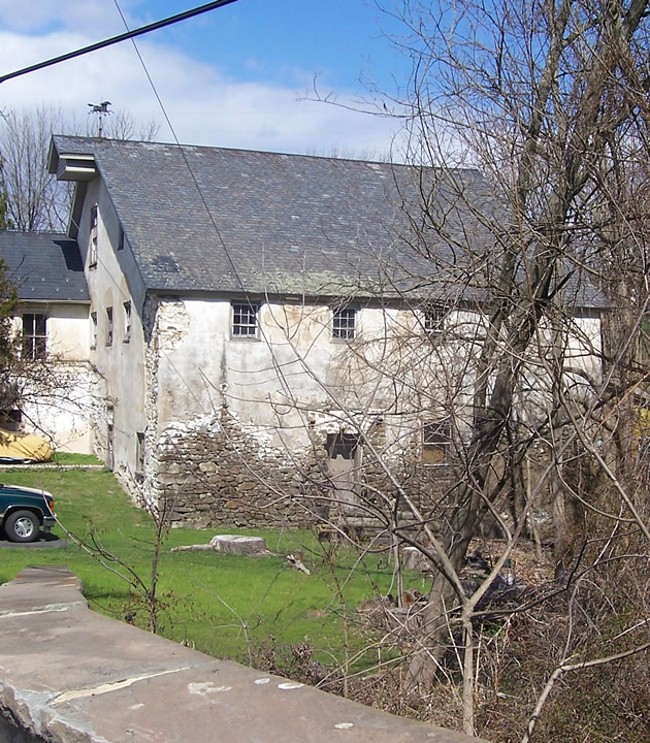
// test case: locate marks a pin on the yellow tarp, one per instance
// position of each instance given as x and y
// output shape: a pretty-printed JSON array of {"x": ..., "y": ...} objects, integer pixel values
[{"x": 24, "y": 446}]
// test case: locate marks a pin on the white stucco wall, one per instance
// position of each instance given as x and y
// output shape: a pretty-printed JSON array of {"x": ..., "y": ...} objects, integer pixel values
[
  {"x": 295, "y": 370},
  {"x": 62, "y": 410},
  {"x": 66, "y": 327},
  {"x": 290, "y": 378},
  {"x": 112, "y": 282},
  {"x": 278, "y": 379},
  {"x": 57, "y": 399}
]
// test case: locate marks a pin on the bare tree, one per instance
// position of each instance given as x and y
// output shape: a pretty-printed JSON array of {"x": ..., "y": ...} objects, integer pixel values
[
  {"x": 35, "y": 199},
  {"x": 8, "y": 350},
  {"x": 549, "y": 101}
]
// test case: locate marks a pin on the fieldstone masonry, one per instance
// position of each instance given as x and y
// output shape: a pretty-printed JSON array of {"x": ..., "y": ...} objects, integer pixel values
[
  {"x": 214, "y": 472},
  {"x": 217, "y": 471}
]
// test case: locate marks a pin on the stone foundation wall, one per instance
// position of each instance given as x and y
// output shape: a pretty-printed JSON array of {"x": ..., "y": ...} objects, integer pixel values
[{"x": 216, "y": 472}]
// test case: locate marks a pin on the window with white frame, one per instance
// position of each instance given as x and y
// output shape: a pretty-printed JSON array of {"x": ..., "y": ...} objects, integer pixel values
[
  {"x": 244, "y": 320},
  {"x": 436, "y": 441},
  {"x": 34, "y": 336},
  {"x": 434, "y": 319},
  {"x": 109, "y": 326},
  {"x": 127, "y": 322},
  {"x": 344, "y": 321},
  {"x": 92, "y": 245}
]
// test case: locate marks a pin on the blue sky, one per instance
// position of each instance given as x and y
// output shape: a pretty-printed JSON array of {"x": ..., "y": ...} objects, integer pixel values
[{"x": 238, "y": 76}]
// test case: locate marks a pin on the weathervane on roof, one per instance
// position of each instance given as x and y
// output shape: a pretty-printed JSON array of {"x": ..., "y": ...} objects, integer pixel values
[{"x": 101, "y": 109}]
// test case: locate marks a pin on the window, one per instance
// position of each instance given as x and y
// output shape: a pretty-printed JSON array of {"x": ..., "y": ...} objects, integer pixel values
[
  {"x": 127, "y": 322},
  {"x": 92, "y": 247},
  {"x": 93, "y": 330},
  {"x": 34, "y": 336},
  {"x": 139, "y": 452},
  {"x": 109, "y": 326},
  {"x": 342, "y": 444},
  {"x": 11, "y": 420},
  {"x": 434, "y": 320},
  {"x": 110, "y": 434},
  {"x": 343, "y": 324},
  {"x": 436, "y": 441},
  {"x": 120, "y": 240},
  {"x": 244, "y": 320},
  {"x": 643, "y": 342}
]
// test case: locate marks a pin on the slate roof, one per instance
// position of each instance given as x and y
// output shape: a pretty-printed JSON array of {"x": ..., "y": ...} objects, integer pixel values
[
  {"x": 214, "y": 219},
  {"x": 43, "y": 266},
  {"x": 207, "y": 219}
]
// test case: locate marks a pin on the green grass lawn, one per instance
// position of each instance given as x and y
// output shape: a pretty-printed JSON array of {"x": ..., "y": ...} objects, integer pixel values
[{"x": 224, "y": 605}]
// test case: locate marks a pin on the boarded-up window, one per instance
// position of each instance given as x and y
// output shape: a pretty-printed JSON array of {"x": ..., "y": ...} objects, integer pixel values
[{"x": 436, "y": 441}]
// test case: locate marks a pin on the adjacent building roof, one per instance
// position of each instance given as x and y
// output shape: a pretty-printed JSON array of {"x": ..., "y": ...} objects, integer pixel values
[
  {"x": 44, "y": 267},
  {"x": 215, "y": 219}
]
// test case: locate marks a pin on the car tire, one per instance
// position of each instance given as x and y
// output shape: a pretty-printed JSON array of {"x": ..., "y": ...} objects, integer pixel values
[{"x": 22, "y": 526}]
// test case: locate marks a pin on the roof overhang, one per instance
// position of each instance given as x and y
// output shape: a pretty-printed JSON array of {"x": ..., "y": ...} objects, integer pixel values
[
  {"x": 71, "y": 166},
  {"x": 75, "y": 167}
]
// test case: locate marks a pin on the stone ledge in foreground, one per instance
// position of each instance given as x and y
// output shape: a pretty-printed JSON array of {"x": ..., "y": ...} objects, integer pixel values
[{"x": 69, "y": 675}]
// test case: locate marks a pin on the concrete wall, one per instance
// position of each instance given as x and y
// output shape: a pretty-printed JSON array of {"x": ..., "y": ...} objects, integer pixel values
[{"x": 72, "y": 676}]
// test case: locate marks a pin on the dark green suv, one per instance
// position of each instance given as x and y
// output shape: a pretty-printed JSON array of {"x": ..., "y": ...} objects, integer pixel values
[{"x": 25, "y": 512}]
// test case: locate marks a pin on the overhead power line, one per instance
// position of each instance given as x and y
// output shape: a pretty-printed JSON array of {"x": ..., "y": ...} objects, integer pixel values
[{"x": 117, "y": 39}]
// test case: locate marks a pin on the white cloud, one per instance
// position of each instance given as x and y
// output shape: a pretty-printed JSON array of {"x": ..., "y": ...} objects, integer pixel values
[
  {"x": 57, "y": 14},
  {"x": 204, "y": 107}
]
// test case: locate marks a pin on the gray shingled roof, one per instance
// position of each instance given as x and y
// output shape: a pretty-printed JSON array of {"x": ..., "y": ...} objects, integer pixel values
[
  {"x": 43, "y": 266},
  {"x": 213, "y": 219}
]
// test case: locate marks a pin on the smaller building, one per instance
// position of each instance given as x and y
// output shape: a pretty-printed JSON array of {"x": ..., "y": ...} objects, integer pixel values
[{"x": 55, "y": 382}]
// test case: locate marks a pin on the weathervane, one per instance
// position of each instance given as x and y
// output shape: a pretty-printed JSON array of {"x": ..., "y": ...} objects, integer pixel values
[{"x": 101, "y": 109}]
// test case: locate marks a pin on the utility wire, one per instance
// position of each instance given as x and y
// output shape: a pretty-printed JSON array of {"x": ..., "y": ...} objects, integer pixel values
[
  {"x": 182, "y": 149},
  {"x": 117, "y": 39}
]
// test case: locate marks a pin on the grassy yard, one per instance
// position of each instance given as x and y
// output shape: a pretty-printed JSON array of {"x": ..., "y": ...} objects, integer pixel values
[{"x": 228, "y": 606}]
